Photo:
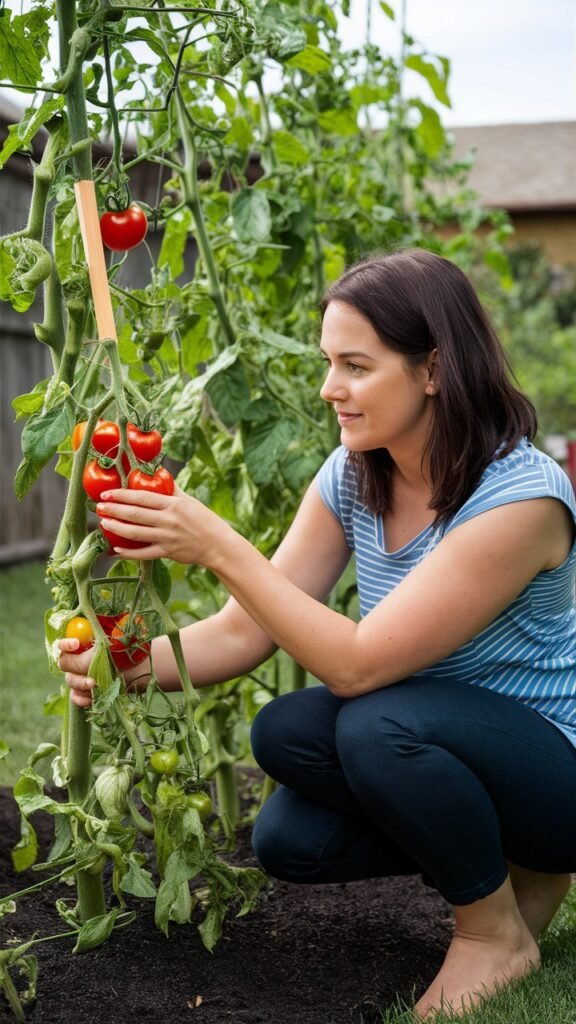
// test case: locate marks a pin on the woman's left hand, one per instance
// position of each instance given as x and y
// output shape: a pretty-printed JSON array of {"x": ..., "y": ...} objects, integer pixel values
[{"x": 169, "y": 526}]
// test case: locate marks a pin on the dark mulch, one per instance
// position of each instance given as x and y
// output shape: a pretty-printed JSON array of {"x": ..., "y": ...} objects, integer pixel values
[{"x": 329, "y": 954}]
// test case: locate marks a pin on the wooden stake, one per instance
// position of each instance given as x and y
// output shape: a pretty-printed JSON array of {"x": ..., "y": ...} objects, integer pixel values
[{"x": 94, "y": 251}]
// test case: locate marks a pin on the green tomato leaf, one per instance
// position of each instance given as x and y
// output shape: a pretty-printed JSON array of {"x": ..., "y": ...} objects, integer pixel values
[
  {"x": 264, "y": 444},
  {"x": 437, "y": 80},
  {"x": 311, "y": 59},
  {"x": 41, "y": 437},
  {"x": 19, "y": 58},
  {"x": 338, "y": 122},
  {"x": 229, "y": 393},
  {"x": 289, "y": 149},
  {"x": 251, "y": 215},
  {"x": 138, "y": 882},
  {"x": 430, "y": 130},
  {"x": 21, "y": 135},
  {"x": 25, "y": 405},
  {"x": 25, "y": 852},
  {"x": 95, "y": 931},
  {"x": 4, "y": 750}
]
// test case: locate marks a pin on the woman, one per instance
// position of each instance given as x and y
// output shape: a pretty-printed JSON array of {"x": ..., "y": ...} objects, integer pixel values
[{"x": 443, "y": 738}]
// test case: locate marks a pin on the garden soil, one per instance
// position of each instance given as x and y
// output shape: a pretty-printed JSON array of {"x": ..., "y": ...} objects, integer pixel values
[{"x": 320, "y": 954}]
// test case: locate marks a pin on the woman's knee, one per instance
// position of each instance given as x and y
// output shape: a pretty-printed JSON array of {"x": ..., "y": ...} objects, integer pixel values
[
  {"x": 294, "y": 727},
  {"x": 278, "y": 839}
]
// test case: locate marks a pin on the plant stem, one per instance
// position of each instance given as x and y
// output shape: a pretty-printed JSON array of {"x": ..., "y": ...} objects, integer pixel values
[
  {"x": 189, "y": 176},
  {"x": 11, "y": 994},
  {"x": 191, "y": 698}
]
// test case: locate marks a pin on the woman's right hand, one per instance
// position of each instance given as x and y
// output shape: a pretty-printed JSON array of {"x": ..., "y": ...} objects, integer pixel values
[{"x": 76, "y": 667}]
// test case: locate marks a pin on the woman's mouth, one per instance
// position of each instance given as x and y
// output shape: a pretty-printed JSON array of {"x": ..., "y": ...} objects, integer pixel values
[{"x": 344, "y": 418}]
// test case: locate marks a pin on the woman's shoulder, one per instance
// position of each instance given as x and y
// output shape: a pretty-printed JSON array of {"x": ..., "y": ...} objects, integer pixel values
[{"x": 525, "y": 472}]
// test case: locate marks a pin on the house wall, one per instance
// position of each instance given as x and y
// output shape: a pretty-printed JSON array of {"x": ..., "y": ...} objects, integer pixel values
[{"x": 555, "y": 231}]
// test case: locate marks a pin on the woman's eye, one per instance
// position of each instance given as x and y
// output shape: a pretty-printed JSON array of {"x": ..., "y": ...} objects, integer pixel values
[{"x": 354, "y": 367}]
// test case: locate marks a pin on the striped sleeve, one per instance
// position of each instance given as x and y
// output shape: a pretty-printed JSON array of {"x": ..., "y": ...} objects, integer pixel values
[
  {"x": 518, "y": 479},
  {"x": 335, "y": 483}
]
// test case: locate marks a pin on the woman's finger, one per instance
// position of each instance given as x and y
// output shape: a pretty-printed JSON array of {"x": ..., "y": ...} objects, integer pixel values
[
  {"x": 123, "y": 496},
  {"x": 133, "y": 513},
  {"x": 143, "y": 554}
]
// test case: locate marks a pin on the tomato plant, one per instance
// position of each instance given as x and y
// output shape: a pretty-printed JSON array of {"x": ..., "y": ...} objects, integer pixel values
[
  {"x": 123, "y": 229},
  {"x": 80, "y": 629}
]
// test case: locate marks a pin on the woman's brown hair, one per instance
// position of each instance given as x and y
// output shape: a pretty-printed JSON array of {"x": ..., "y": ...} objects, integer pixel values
[{"x": 417, "y": 301}]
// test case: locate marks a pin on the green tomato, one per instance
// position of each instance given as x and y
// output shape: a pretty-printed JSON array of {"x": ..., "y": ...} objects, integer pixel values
[
  {"x": 201, "y": 803},
  {"x": 164, "y": 762}
]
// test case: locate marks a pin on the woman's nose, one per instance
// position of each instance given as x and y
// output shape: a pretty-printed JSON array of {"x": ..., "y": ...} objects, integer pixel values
[{"x": 332, "y": 387}]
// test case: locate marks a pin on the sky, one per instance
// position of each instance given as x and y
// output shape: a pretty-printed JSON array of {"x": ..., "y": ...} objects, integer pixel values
[{"x": 511, "y": 60}]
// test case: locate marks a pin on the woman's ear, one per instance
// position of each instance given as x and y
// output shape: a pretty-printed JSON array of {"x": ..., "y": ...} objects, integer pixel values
[{"x": 431, "y": 365}]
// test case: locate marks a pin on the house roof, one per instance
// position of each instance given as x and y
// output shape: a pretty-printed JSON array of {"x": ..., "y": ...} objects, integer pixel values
[{"x": 521, "y": 167}]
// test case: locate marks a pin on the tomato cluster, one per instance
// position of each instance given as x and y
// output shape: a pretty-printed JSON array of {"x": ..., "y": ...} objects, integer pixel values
[
  {"x": 100, "y": 476},
  {"x": 127, "y": 635}
]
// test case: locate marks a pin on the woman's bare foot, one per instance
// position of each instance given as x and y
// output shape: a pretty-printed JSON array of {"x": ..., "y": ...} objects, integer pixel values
[
  {"x": 492, "y": 946},
  {"x": 538, "y": 896}
]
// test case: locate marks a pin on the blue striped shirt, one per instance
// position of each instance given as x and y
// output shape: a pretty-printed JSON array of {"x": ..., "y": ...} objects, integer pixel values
[{"x": 529, "y": 650}]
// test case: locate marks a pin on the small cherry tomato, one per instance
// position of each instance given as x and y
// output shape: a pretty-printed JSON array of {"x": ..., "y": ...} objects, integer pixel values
[
  {"x": 161, "y": 482},
  {"x": 201, "y": 802},
  {"x": 123, "y": 229},
  {"x": 128, "y": 644},
  {"x": 78, "y": 435},
  {"x": 106, "y": 438},
  {"x": 80, "y": 629},
  {"x": 96, "y": 479},
  {"x": 164, "y": 762},
  {"x": 146, "y": 444}
]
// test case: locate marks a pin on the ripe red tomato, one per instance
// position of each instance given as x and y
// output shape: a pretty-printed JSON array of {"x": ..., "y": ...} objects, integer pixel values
[
  {"x": 146, "y": 444},
  {"x": 116, "y": 541},
  {"x": 106, "y": 438},
  {"x": 123, "y": 229},
  {"x": 128, "y": 644},
  {"x": 80, "y": 629},
  {"x": 96, "y": 479},
  {"x": 161, "y": 482}
]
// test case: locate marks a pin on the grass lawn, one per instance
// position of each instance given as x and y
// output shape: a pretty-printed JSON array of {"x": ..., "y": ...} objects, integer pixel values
[{"x": 25, "y": 680}]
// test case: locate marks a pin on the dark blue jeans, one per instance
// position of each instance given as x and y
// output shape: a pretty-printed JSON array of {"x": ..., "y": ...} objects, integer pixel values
[{"x": 439, "y": 778}]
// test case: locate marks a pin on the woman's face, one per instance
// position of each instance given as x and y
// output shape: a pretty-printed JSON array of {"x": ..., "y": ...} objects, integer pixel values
[{"x": 380, "y": 401}]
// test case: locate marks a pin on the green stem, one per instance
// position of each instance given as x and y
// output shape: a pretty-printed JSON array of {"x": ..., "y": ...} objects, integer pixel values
[
  {"x": 267, "y": 134},
  {"x": 224, "y": 775},
  {"x": 298, "y": 677},
  {"x": 71, "y": 60},
  {"x": 142, "y": 824},
  {"x": 77, "y": 313},
  {"x": 189, "y": 177},
  {"x": 191, "y": 697},
  {"x": 11, "y": 994}
]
